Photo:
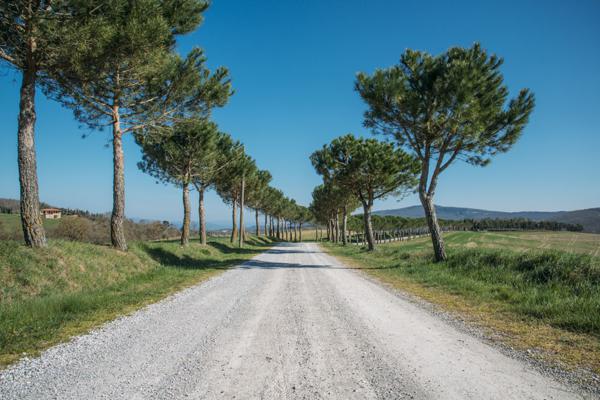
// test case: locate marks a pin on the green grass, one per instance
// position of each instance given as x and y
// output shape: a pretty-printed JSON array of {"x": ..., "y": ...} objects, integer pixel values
[
  {"x": 517, "y": 283},
  {"x": 49, "y": 295},
  {"x": 12, "y": 223}
]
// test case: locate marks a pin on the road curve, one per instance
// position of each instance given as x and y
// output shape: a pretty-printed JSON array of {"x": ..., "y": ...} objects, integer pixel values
[{"x": 290, "y": 324}]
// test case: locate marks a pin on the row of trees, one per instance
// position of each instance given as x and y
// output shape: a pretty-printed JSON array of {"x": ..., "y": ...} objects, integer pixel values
[
  {"x": 194, "y": 153},
  {"x": 439, "y": 109},
  {"x": 113, "y": 63}
]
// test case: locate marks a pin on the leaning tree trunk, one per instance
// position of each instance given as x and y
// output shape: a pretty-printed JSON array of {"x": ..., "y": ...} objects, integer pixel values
[
  {"x": 201, "y": 216},
  {"x": 233, "y": 220},
  {"x": 31, "y": 218},
  {"x": 368, "y": 226},
  {"x": 117, "y": 219},
  {"x": 185, "y": 229},
  {"x": 439, "y": 249}
]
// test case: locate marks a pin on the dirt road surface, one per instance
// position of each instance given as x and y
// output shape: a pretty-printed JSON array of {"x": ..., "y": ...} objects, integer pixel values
[{"x": 290, "y": 324}]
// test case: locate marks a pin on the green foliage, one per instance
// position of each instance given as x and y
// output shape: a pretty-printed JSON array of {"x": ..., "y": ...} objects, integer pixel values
[
  {"x": 451, "y": 104},
  {"x": 366, "y": 167},
  {"x": 23, "y": 22},
  {"x": 180, "y": 153}
]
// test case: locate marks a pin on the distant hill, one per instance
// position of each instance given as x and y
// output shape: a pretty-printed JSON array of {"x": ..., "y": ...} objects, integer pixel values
[
  {"x": 588, "y": 218},
  {"x": 13, "y": 205}
]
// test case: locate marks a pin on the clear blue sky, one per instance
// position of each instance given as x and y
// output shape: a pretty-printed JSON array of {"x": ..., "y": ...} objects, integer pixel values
[{"x": 293, "y": 65}]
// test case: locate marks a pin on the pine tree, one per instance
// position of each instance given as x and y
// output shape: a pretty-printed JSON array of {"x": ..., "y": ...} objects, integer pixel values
[
  {"x": 31, "y": 41},
  {"x": 444, "y": 108}
]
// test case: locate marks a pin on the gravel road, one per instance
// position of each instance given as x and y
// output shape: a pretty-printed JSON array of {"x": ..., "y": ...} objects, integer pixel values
[{"x": 291, "y": 323}]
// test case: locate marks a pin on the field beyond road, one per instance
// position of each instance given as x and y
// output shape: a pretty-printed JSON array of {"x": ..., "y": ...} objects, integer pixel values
[{"x": 534, "y": 291}]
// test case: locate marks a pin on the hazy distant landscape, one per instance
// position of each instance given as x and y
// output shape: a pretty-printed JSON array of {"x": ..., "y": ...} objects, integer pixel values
[{"x": 588, "y": 218}]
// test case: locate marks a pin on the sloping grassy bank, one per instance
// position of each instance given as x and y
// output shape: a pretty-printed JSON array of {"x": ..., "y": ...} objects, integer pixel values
[
  {"x": 49, "y": 295},
  {"x": 545, "y": 301}
]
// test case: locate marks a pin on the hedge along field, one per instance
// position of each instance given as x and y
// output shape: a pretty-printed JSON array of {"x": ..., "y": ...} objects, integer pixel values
[
  {"x": 49, "y": 295},
  {"x": 537, "y": 298}
]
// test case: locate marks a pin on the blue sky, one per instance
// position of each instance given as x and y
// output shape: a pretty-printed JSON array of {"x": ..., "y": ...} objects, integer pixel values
[{"x": 293, "y": 65}]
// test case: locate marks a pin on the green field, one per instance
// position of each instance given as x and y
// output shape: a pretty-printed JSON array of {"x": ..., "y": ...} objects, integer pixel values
[
  {"x": 48, "y": 295},
  {"x": 539, "y": 289},
  {"x": 12, "y": 223}
]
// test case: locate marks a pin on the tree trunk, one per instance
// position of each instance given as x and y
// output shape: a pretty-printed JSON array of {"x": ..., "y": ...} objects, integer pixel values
[
  {"x": 117, "y": 229},
  {"x": 278, "y": 233},
  {"x": 201, "y": 216},
  {"x": 439, "y": 249},
  {"x": 337, "y": 227},
  {"x": 233, "y": 221},
  {"x": 368, "y": 226},
  {"x": 242, "y": 228},
  {"x": 257, "y": 223},
  {"x": 185, "y": 229},
  {"x": 344, "y": 225},
  {"x": 300, "y": 232},
  {"x": 265, "y": 230},
  {"x": 31, "y": 218}
]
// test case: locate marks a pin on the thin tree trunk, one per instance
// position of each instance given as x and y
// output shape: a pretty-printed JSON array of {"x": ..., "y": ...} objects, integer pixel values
[
  {"x": 344, "y": 225},
  {"x": 368, "y": 226},
  {"x": 31, "y": 218},
  {"x": 301, "y": 232},
  {"x": 257, "y": 223},
  {"x": 337, "y": 227},
  {"x": 233, "y": 221},
  {"x": 185, "y": 229},
  {"x": 265, "y": 230},
  {"x": 242, "y": 228},
  {"x": 278, "y": 233},
  {"x": 117, "y": 230},
  {"x": 439, "y": 249},
  {"x": 201, "y": 215}
]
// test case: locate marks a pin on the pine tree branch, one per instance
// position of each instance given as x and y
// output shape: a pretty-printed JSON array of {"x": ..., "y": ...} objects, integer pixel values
[{"x": 8, "y": 58}]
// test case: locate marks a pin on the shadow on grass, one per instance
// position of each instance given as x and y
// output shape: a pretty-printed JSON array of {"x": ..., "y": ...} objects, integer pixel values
[
  {"x": 225, "y": 249},
  {"x": 170, "y": 260}
]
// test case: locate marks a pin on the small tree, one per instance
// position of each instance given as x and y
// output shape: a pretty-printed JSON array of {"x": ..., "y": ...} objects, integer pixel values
[
  {"x": 443, "y": 108},
  {"x": 230, "y": 181},
  {"x": 176, "y": 154},
  {"x": 256, "y": 193},
  {"x": 370, "y": 169},
  {"x": 217, "y": 147}
]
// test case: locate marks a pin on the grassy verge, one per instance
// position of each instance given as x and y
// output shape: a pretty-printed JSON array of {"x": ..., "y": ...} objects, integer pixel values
[
  {"x": 49, "y": 295},
  {"x": 544, "y": 301}
]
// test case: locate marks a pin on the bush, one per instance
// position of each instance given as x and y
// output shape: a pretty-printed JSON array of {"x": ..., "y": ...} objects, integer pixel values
[{"x": 74, "y": 228}]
